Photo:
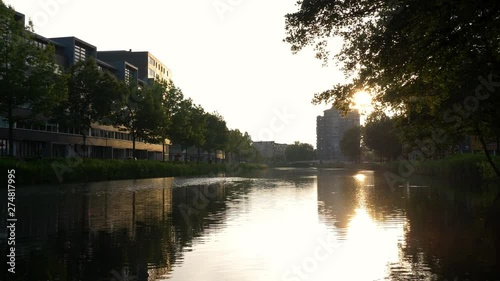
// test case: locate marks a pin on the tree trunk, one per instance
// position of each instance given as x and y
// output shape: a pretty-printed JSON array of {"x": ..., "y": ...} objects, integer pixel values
[
  {"x": 133, "y": 145},
  {"x": 485, "y": 149},
  {"x": 163, "y": 152},
  {"x": 498, "y": 146},
  {"x": 84, "y": 146},
  {"x": 11, "y": 131}
]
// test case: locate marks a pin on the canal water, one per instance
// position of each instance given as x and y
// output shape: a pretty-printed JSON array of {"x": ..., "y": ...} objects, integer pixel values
[{"x": 276, "y": 225}]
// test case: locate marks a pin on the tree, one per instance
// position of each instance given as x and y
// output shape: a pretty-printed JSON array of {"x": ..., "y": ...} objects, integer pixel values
[
  {"x": 299, "y": 152},
  {"x": 92, "y": 95},
  {"x": 151, "y": 122},
  {"x": 436, "y": 59},
  {"x": 350, "y": 144},
  {"x": 28, "y": 79},
  {"x": 188, "y": 121},
  {"x": 379, "y": 135},
  {"x": 198, "y": 123},
  {"x": 216, "y": 133},
  {"x": 239, "y": 146},
  {"x": 142, "y": 113}
]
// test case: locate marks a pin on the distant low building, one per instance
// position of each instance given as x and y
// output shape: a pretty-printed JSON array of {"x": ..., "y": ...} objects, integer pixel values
[{"x": 271, "y": 151}]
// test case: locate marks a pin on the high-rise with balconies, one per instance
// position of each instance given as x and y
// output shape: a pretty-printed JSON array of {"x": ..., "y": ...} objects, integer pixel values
[{"x": 330, "y": 129}]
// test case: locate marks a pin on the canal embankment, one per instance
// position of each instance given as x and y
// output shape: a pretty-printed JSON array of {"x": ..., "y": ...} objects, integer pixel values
[{"x": 68, "y": 170}]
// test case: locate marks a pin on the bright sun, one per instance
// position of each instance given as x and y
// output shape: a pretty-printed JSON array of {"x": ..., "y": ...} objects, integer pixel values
[{"x": 362, "y": 100}]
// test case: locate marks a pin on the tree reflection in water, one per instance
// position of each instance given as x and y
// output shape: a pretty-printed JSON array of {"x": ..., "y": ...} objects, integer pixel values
[{"x": 146, "y": 229}]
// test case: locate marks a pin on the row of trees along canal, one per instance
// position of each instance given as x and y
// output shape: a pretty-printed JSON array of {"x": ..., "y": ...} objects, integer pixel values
[
  {"x": 34, "y": 88},
  {"x": 434, "y": 64}
]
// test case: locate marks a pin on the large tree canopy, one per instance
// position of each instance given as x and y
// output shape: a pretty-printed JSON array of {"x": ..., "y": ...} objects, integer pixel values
[
  {"x": 402, "y": 49},
  {"x": 350, "y": 144},
  {"x": 380, "y": 136},
  {"x": 435, "y": 63},
  {"x": 28, "y": 81},
  {"x": 300, "y": 152}
]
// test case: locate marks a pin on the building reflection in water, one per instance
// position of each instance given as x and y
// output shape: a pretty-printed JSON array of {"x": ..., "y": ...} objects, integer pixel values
[
  {"x": 98, "y": 231},
  {"x": 244, "y": 227}
]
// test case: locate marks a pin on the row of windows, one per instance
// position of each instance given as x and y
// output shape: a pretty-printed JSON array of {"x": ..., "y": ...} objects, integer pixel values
[
  {"x": 80, "y": 54},
  {"x": 158, "y": 66},
  {"x": 129, "y": 75},
  {"x": 55, "y": 128},
  {"x": 40, "y": 45}
]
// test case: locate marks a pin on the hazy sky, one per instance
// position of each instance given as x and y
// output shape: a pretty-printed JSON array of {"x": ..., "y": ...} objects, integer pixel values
[{"x": 227, "y": 55}]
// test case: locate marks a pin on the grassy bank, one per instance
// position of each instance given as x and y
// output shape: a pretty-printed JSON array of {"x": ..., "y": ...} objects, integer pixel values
[
  {"x": 463, "y": 166},
  {"x": 43, "y": 171}
]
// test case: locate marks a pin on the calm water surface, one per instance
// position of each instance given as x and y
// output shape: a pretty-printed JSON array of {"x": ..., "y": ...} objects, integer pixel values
[{"x": 284, "y": 224}]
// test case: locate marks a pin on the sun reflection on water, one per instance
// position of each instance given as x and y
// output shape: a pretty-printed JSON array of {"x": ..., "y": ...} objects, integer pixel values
[
  {"x": 360, "y": 177},
  {"x": 371, "y": 245}
]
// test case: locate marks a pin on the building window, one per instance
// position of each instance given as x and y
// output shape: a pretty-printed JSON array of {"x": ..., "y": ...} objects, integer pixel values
[
  {"x": 151, "y": 73},
  {"x": 127, "y": 75},
  {"x": 152, "y": 61},
  {"x": 52, "y": 127},
  {"x": 80, "y": 54},
  {"x": 39, "y": 44}
]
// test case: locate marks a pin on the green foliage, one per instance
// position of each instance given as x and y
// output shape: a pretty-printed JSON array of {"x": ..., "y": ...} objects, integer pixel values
[
  {"x": 486, "y": 171},
  {"x": 300, "y": 152},
  {"x": 379, "y": 135},
  {"x": 41, "y": 171},
  {"x": 350, "y": 144},
  {"x": 216, "y": 133},
  {"x": 187, "y": 126},
  {"x": 151, "y": 119},
  {"x": 434, "y": 63},
  {"x": 92, "y": 95},
  {"x": 28, "y": 79},
  {"x": 84, "y": 95},
  {"x": 464, "y": 166},
  {"x": 239, "y": 146}
]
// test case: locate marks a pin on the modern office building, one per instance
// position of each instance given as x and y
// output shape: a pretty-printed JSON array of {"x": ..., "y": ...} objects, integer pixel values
[
  {"x": 148, "y": 66},
  {"x": 330, "y": 129},
  {"x": 46, "y": 139}
]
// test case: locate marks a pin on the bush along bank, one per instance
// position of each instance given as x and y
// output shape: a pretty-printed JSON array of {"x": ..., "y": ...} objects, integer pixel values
[
  {"x": 52, "y": 171},
  {"x": 468, "y": 167}
]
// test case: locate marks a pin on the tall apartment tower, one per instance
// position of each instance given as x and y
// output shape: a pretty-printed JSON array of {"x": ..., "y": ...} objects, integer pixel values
[{"x": 330, "y": 129}]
